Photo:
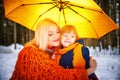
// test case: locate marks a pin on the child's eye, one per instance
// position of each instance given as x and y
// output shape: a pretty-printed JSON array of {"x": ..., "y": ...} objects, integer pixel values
[{"x": 72, "y": 36}]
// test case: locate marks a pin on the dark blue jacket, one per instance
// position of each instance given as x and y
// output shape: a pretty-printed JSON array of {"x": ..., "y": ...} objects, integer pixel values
[{"x": 66, "y": 59}]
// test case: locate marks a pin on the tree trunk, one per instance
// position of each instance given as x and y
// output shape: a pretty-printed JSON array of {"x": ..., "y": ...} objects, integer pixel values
[{"x": 15, "y": 35}]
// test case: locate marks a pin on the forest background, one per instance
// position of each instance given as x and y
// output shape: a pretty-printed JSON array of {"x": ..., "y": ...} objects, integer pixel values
[{"x": 11, "y": 32}]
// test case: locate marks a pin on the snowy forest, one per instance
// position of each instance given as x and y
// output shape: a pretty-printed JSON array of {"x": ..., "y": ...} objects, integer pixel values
[{"x": 105, "y": 50}]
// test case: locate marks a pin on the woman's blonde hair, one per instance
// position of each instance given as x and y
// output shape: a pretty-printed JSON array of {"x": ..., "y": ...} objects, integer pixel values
[
  {"x": 41, "y": 33},
  {"x": 68, "y": 29}
]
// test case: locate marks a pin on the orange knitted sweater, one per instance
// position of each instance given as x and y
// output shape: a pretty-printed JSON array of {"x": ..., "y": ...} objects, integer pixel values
[{"x": 35, "y": 64}]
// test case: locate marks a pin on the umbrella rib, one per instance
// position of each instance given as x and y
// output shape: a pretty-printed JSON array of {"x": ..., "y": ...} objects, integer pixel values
[
  {"x": 34, "y": 4},
  {"x": 95, "y": 31},
  {"x": 85, "y": 8},
  {"x": 83, "y": 17},
  {"x": 59, "y": 17},
  {"x": 38, "y": 3},
  {"x": 64, "y": 16},
  {"x": 78, "y": 13},
  {"x": 43, "y": 14}
]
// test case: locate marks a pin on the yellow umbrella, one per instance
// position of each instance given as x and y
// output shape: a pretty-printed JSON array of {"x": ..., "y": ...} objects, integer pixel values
[{"x": 86, "y": 15}]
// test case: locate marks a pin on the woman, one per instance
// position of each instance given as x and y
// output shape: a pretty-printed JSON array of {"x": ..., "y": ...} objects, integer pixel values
[{"x": 34, "y": 62}]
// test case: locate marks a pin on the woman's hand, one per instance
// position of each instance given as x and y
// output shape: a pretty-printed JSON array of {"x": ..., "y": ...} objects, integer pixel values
[{"x": 93, "y": 66}]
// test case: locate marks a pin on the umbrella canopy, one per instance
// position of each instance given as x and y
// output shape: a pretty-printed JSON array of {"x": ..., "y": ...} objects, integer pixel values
[{"x": 88, "y": 18}]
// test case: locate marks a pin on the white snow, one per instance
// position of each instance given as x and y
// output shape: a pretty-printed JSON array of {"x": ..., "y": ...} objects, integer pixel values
[{"x": 107, "y": 61}]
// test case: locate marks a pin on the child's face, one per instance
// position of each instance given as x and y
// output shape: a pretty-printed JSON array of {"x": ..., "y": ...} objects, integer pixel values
[{"x": 67, "y": 39}]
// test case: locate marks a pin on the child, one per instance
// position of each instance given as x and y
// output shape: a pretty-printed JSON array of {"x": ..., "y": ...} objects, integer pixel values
[{"x": 73, "y": 53}]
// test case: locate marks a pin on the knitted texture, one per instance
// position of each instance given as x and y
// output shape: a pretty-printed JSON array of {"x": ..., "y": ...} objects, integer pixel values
[{"x": 35, "y": 64}]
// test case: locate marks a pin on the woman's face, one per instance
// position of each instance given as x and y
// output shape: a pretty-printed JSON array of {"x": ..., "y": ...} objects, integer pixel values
[
  {"x": 53, "y": 36},
  {"x": 67, "y": 39}
]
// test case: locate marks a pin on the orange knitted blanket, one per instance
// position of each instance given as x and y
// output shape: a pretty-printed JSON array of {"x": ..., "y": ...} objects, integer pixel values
[{"x": 35, "y": 64}]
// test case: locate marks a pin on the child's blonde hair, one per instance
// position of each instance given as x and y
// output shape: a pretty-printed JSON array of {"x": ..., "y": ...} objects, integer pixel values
[{"x": 68, "y": 29}]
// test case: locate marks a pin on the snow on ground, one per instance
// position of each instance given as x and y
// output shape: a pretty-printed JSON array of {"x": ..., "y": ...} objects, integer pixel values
[{"x": 107, "y": 61}]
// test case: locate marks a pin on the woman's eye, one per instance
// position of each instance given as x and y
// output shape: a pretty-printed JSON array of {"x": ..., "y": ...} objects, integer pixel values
[
  {"x": 50, "y": 34},
  {"x": 58, "y": 31}
]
